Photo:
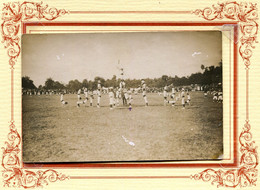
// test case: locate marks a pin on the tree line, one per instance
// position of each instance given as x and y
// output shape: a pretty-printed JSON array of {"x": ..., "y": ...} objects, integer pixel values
[{"x": 209, "y": 76}]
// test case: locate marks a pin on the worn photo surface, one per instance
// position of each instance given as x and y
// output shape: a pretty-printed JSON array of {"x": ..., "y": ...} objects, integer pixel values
[{"x": 132, "y": 96}]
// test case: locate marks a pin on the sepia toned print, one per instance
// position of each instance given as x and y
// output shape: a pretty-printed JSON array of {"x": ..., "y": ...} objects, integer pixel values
[{"x": 122, "y": 97}]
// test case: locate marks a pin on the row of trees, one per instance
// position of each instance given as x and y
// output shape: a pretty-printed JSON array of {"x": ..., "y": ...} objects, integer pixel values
[{"x": 209, "y": 76}]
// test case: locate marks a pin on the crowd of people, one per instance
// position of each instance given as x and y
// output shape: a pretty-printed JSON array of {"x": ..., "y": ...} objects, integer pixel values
[
  {"x": 171, "y": 95},
  {"x": 121, "y": 93},
  {"x": 175, "y": 95},
  {"x": 114, "y": 94},
  {"x": 217, "y": 95}
]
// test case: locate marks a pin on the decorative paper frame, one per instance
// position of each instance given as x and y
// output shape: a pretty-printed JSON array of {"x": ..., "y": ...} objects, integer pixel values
[{"x": 15, "y": 14}]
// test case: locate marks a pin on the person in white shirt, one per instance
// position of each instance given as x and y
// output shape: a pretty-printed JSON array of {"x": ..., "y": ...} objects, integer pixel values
[
  {"x": 85, "y": 91},
  {"x": 215, "y": 96},
  {"x": 122, "y": 84},
  {"x": 143, "y": 86},
  {"x": 165, "y": 95},
  {"x": 111, "y": 97},
  {"x": 183, "y": 98},
  {"x": 220, "y": 96},
  {"x": 117, "y": 96},
  {"x": 62, "y": 100},
  {"x": 99, "y": 88},
  {"x": 79, "y": 98},
  {"x": 188, "y": 97},
  {"x": 129, "y": 98},
  {"x": 91, "y": 97},
  {"x": 172, "y": 97}
]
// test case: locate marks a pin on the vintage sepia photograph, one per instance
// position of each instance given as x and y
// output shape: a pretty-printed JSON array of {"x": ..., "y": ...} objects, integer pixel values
[{"x": 114, "y": 97}]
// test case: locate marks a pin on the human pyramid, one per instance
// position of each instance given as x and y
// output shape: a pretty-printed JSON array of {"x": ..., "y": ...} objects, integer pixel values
[
  {"x": 114, "y": 94},
  {"x": 125, "y": 94}
]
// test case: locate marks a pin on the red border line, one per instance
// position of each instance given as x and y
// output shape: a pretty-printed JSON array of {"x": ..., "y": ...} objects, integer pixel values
[
  {"x": 12, "y": 95},
  {"x": 148, "y": 165},
  {"x": 128, "y": 177},
  {"x": 130, "y": 12},
  {"x": 146, "y": 30},
  {"x": 129, "y": 166},
  {"x": 165, "y": 31},
  {"x": 235, "y": 106},
  {"x": 125, "y": 24},
  {"x": 230, "y": 36},
  {"x": 247, "y": 94}
]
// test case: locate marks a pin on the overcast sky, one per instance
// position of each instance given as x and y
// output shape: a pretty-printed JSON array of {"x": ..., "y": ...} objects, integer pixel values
[{"x": 66, "y": 57}]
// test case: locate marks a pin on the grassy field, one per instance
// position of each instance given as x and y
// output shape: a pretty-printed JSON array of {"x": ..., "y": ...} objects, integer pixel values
[{"x": 56, "y": 133}]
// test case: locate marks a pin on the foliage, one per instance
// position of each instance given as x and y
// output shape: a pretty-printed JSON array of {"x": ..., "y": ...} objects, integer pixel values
[
  {"x": 50, "y": 84},
  {"x": 27, "y": 83},
  {"x": 210, "y": 76}
]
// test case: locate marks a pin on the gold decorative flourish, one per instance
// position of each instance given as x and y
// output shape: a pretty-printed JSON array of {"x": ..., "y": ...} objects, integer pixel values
[
  {"x": 246, "y": 15},
  {"x": 13, "y": 14}
]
